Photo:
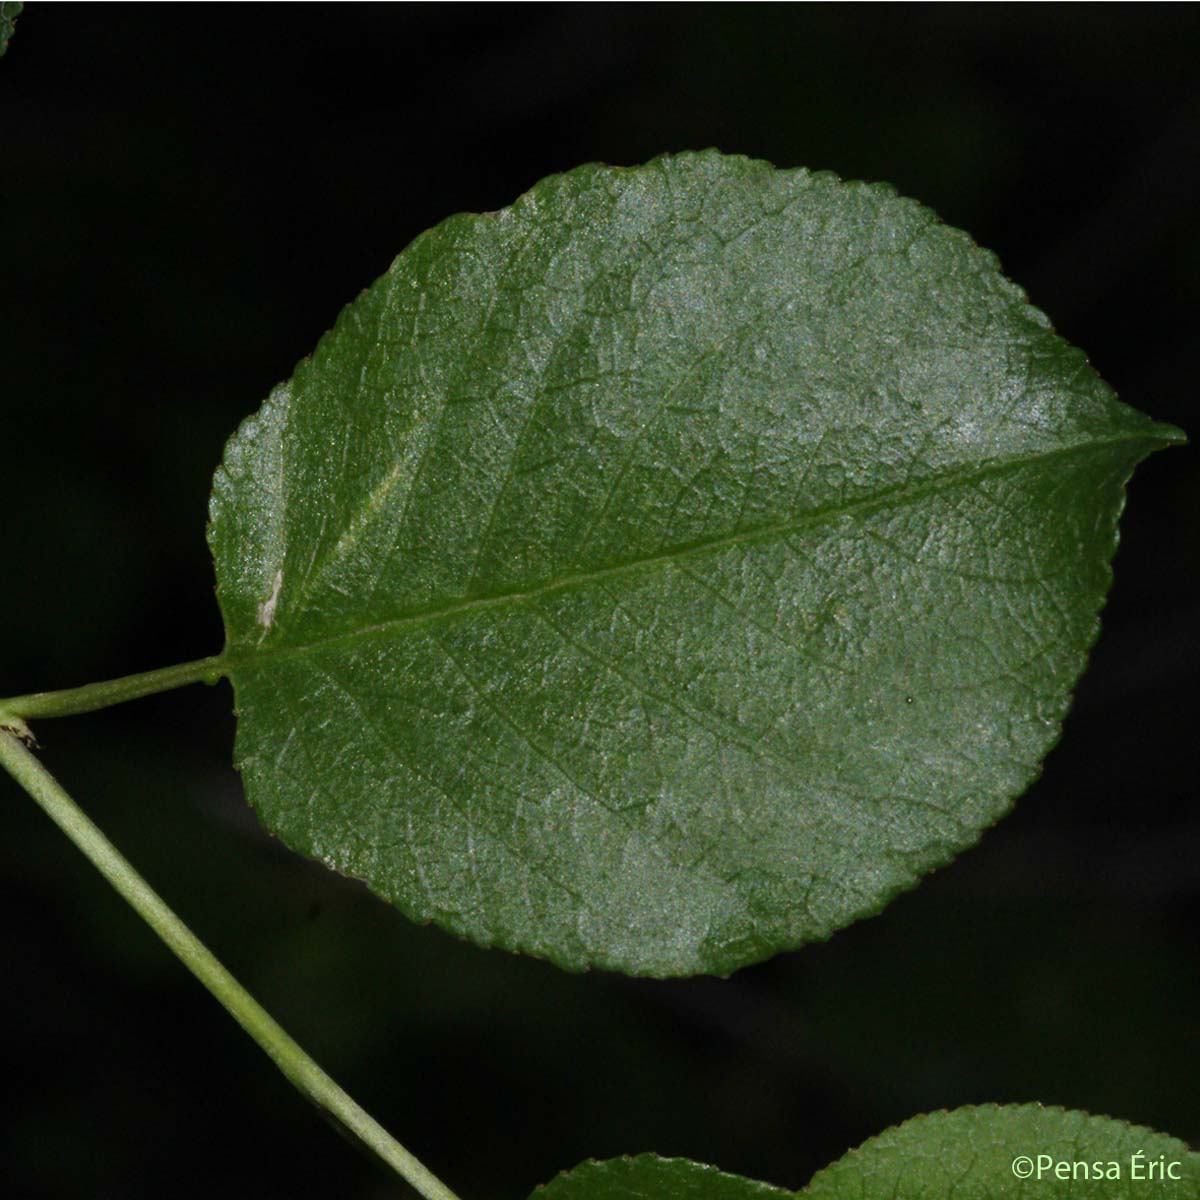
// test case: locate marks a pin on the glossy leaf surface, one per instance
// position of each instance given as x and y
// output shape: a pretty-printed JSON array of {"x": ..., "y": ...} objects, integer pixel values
[
  {"x": 985, "y": 1153},
  {"x": 668, "y": 569}
]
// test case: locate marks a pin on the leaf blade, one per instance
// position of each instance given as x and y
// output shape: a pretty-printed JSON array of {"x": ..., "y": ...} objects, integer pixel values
[
  {"x": 547, "y": 538},
  {"x": 967, "y": 1153},
  {"x": 970, "y": 1152}
]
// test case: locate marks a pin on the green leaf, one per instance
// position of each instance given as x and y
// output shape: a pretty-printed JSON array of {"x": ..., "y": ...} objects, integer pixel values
[
  {"x": 648, "y": 1177},
  {"x": 967, "y": 1154},
  {"x": 668, "y": 569},
  {"x": 9, "y": 11}
]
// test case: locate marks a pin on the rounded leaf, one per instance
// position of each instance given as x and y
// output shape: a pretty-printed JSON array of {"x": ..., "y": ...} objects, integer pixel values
[{"x": 668, "y": 569}]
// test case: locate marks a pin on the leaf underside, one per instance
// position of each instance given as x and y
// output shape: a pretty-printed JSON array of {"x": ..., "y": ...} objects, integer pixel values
[
  {"x": 668, "y": 569},
  {"x": 967, "y": 1154}
]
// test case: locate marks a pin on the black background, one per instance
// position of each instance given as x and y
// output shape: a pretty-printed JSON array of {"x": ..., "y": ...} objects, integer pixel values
[{"x": 189, "y": 194}]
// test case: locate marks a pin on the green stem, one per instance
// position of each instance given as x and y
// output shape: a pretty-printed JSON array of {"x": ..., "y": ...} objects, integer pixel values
[
  {"x": 113, "y": 691},
  {"x": 288, "y": 1056}
]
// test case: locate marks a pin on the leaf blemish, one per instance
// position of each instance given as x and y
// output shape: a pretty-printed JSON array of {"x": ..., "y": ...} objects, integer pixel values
[{"x": 266, "y": 610}]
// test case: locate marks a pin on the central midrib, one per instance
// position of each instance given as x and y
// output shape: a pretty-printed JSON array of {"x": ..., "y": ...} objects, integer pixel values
[{"x": 887, "y": 497}]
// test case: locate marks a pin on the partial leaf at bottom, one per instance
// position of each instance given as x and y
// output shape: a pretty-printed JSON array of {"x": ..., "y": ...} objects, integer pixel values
[{"x": 1011, "y": 1152}]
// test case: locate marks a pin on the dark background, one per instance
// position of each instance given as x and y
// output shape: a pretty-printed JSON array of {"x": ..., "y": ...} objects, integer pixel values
[{"x": 189, "y": 194}]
